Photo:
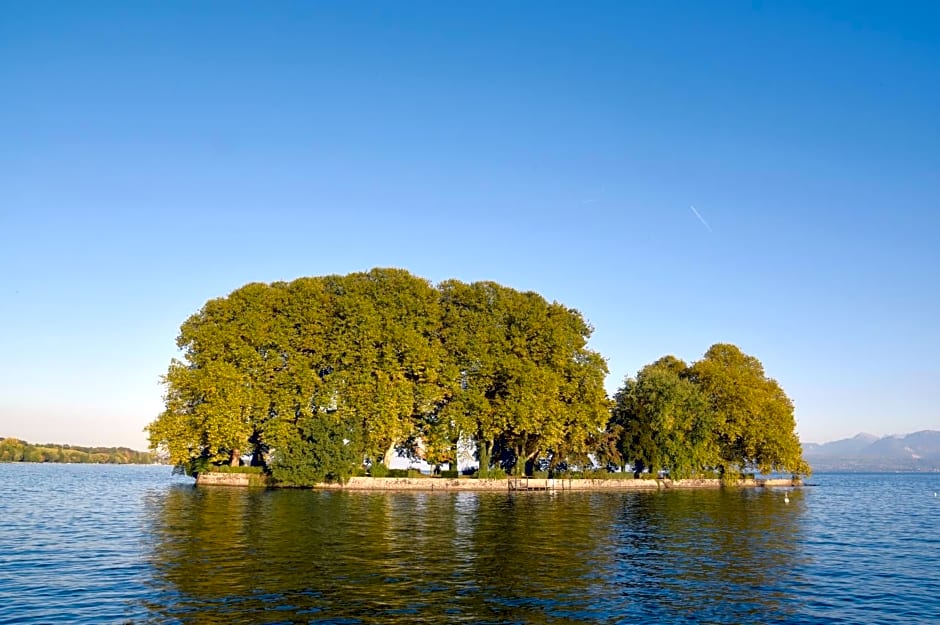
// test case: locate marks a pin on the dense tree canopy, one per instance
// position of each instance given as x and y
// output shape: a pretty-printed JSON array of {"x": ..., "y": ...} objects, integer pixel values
[
  {"x": 753, "y": 417},
  {"x": 721, "y": 413},
  {"x": 528, "y": 383},
  {"x": 664, "y": 420},
  {"x": 314, "y": 377}
]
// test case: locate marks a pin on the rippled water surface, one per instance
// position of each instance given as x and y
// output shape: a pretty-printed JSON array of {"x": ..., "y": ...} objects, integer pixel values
[{"x": 99, "y": 544}]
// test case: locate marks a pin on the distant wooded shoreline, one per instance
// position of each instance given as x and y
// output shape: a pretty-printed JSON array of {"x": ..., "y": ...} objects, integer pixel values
[{"x": 16, "y": 450}]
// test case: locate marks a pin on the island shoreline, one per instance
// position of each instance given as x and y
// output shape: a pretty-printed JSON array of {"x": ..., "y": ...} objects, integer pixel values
[{"x": 435, "y": 484}]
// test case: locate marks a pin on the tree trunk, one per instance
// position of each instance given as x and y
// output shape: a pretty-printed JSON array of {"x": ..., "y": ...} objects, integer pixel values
[
  {"x": 518, "y": 468},
  {"x": 257, "y": 450},
  {"x": 484, "y": 448},
  {"x": 389, "y": 456}
]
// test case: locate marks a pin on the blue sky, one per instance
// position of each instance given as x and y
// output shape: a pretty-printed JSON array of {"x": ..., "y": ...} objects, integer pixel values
[{"x": 154, "y": 155}]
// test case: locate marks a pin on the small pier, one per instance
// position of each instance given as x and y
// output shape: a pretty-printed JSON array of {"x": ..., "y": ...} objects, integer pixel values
[{"x": 527, "y": 483}]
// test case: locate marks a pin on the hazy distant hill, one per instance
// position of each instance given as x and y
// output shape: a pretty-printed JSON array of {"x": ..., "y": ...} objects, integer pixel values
[{"x": 919, "y": 451}]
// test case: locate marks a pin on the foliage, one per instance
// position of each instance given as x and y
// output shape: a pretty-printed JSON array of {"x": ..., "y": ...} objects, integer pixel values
[
  {"x": 607, "y": 475},
  {"x": 528, "y": 384},
  {"x": 316, "y": 378},
  {"x": 15, "y": 450},
  {"x": 319, "y": 451},
  {"x": 664, "y": 421},
  {"x": 267, "y": 371},
  {"x": 720, "y": 413},
  {"x": 490, "y": 474},
  {"x": 752, "y": 417},
  {"x": 409, "y": 473}
]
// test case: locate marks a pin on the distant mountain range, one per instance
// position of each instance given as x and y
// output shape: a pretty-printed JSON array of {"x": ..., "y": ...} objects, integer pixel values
[{"x": 919, "y": 451}]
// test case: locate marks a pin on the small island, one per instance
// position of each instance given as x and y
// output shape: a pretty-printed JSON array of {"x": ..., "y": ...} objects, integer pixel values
[{"x": 322, "y": 381}]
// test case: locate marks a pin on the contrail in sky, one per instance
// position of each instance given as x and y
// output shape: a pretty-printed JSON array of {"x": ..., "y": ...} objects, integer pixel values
[{"x": 700, "y": 218}]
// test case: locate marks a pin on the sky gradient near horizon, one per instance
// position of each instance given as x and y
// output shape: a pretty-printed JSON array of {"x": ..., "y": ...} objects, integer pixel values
[{"x": 154, "y": 155}]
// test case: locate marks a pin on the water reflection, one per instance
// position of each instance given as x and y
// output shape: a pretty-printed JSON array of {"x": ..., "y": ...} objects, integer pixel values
[
  {"x": 710, "y": 556},
  {"x": 246, "y": 556}
]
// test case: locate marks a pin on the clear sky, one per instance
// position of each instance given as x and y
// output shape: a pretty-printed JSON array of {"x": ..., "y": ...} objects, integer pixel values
[{"x": 154, "y": 155}]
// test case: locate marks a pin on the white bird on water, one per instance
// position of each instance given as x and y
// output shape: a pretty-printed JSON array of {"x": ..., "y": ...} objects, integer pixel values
[{"x": 786, "y": 497}]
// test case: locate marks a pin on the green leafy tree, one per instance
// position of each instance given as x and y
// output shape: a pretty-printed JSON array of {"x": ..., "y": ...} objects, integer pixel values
[
  {"x": 664, "y": 420},
  {"x": 12, "y": 450},
  {"x": 721, "y": 412},
  {"x": 528, "y": 383},
  {"x": 317, "y": 450},
  {"x": 218, "y": 397},
  {"x": 389, "y": 357},
  {"x": 752, "y": 417},
  {"x": 270, "y": 370},
  {"x": 473, "y": 340},
  {"x": 206, "y": 416}
]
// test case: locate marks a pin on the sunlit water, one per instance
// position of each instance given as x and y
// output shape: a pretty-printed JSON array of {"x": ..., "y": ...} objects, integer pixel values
[{"x": 98, "y": 544}]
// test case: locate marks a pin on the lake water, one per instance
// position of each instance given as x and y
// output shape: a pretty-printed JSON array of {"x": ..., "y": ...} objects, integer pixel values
[{"x": 106, "y": 544}]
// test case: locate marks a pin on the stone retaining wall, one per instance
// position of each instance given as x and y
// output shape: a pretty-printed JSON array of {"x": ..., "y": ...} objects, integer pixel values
[
  {"x": 469, "y": 484},
  {"x": 231, "y": 479},
  {"x": 783, "y": 481}
]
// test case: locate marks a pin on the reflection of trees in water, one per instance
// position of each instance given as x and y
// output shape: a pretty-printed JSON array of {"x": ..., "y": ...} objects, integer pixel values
[
  {"x": 245, "y": 556},
  {"x": 709, "y": 555},
  {"x": 241, "y": 556},
  {"x": 535, "y": 557},
  {"x": 202, "y": 543}
]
